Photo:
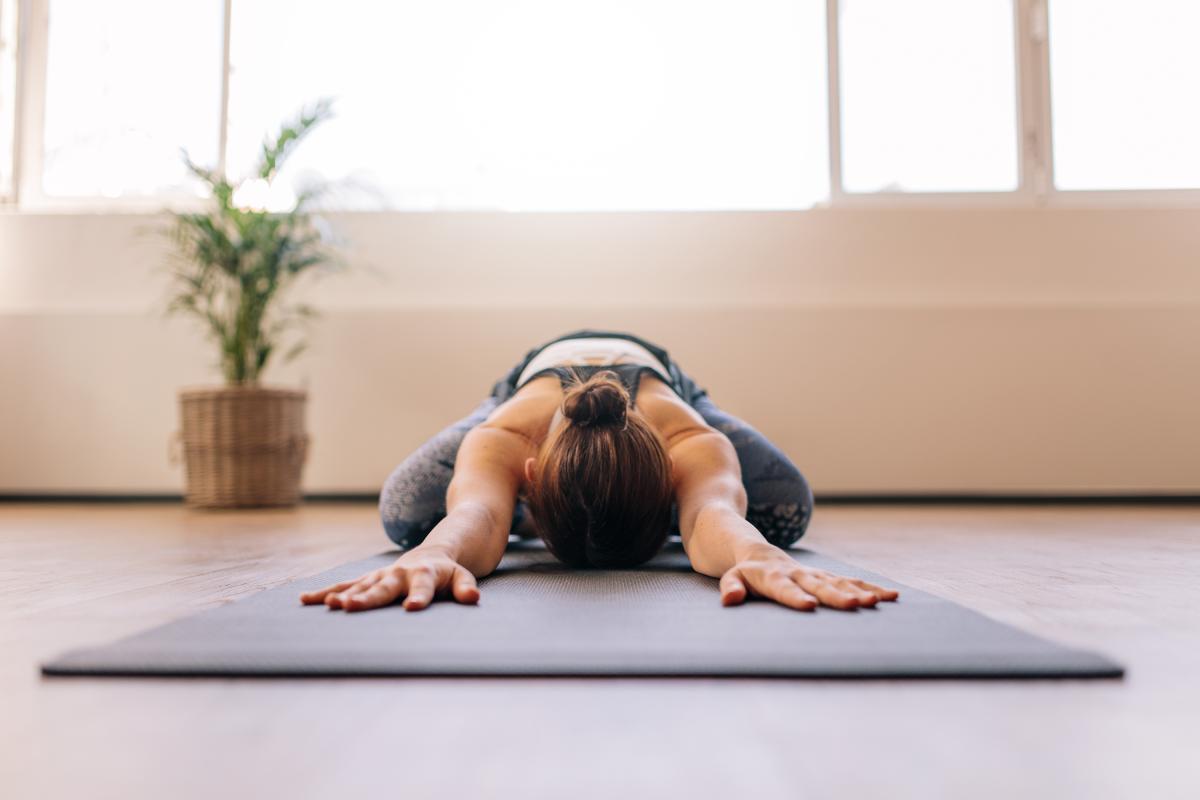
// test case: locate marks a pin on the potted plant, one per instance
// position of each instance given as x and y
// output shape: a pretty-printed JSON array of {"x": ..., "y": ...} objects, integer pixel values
[{"x": 234, "y": 266}]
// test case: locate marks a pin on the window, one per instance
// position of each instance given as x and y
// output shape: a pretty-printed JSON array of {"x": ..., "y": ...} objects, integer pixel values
[
  {"x": 129, "y": 83},
  {"x": 8, "y": 92},
  {"x": 576, "y": 105},
  {"x": 1123, "y": 87},
  {"x": 543, "y": 104},
  {"x": 928, "y": 95}
]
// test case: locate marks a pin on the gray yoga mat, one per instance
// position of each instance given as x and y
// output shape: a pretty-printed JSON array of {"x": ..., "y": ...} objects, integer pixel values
[{"x": 538, "y": 618}]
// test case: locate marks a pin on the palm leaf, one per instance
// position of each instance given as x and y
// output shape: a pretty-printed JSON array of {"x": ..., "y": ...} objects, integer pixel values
[
  {"x": 276, "y": 151},
  {"x": 232, "y": 267}
]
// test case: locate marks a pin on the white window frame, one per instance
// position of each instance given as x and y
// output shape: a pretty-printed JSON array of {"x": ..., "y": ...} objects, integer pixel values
[
  {"x": 1033, "y": 149},
  {"x": 1034, "y": 128},
  {"x": 10, "y": 11},
  {"x": 31, "y": 114},
  {"x": 1053, "y": 196}
]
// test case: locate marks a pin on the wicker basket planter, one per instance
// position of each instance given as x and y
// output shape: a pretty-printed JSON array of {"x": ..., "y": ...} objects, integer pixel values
[{"x": 243, "y": 446}]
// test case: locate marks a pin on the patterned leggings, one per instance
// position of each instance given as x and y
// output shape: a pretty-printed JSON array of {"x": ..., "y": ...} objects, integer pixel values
[{"x": 780, "y": 501}]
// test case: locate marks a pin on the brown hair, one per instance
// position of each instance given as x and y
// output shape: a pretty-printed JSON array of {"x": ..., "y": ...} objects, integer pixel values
[{"x": 602, "y": 493}]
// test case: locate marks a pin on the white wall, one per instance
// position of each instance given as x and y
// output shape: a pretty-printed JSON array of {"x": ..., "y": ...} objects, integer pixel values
[{"x": 887, "y": 350}]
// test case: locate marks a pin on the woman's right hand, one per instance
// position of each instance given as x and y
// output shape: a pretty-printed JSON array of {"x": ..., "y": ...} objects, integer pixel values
[{"x": 417, "y": 577}]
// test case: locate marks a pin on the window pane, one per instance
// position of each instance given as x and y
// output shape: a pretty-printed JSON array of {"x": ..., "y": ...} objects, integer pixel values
[
  {"x": 543, "y": 104},
  {"x": 1123, "y": 94},
  {"x": 928, "y": 95},
  {"x": 128, "y": 83}
]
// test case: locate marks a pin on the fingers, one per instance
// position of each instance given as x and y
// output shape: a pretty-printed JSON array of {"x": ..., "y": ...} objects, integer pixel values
[
  {"x": 826, "y": 591},
  {"x": 318, "y": 595},
  {"x": 463, "y": 586},
  {"x": 878, "y": 591},
  {"x": 787, "y": 592},
  {"x": 796, "y": 587},
  {"x": 733, "y": 588},
  {"x": 417, "y": 583},
  {"x": 341, "y": 599},
  {"x": 421, "y": 588},
  {"x": 840, "y": 592},
  {"x": 381, "y": 593},
  {"x": 337, "y": 599},
  {"x": 865, "y": 597}
]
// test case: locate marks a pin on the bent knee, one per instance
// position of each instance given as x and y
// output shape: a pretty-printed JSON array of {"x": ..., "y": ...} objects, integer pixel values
[
  {"x": 781, "y": 524},
  {"x": 412, "y": 501},
  {"x": 406, "y": 534},
  {"x": 781, "y": 510}
]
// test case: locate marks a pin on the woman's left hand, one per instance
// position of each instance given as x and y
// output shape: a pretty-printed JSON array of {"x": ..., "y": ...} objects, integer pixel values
[{"x": 777, "y": 576}]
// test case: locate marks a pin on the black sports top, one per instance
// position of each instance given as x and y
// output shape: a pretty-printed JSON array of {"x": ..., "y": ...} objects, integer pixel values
[{"x": 630, "y": 375}]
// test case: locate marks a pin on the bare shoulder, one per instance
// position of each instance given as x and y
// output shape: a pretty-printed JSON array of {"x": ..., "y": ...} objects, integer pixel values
[
  {"x": 525, "y": 417},
  {"x": 674, "y": 419},
  {"x": 520, "y": 424},
  {"x": 702, "y": 457}
]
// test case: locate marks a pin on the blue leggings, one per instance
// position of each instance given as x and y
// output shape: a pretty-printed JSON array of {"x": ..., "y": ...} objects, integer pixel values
[{"x": 780, "y": 501}]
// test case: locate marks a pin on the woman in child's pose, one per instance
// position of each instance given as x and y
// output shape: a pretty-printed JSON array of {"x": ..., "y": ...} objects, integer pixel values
[{"x": 598, "y": 442}]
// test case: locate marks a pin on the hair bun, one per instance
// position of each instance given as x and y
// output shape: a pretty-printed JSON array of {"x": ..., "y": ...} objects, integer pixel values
[{"x": 600, "y": 400}]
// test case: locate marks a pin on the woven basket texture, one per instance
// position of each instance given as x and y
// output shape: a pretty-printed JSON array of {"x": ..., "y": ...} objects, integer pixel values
[{"x": 243, "y": 447}]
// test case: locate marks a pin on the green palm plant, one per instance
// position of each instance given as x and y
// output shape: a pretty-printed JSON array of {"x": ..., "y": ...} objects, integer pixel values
[{"x": 235, "y": 264}]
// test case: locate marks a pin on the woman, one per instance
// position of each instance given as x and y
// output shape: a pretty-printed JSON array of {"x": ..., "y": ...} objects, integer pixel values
[{"x": 600, "y": 441}]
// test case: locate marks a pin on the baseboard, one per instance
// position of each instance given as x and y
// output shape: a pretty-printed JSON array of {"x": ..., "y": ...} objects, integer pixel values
[
  {"x": 986, "y": 498},
  {"x": 166, "y": 497}
]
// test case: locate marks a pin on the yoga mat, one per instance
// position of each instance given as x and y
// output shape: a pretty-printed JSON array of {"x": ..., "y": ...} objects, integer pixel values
[{"x": 536, "y": 617}]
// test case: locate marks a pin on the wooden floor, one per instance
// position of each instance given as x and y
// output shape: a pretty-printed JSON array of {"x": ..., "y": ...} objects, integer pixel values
[{"x": 1121, "y": 579}]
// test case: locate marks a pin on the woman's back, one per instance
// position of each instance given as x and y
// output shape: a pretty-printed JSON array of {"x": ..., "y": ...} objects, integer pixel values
[{"x": 545, "y": 379}]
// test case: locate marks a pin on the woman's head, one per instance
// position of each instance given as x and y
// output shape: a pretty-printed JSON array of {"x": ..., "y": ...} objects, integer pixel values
[{"x": 600, "y": 489}]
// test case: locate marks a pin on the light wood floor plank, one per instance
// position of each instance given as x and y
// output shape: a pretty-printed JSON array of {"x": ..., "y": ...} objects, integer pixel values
[{"x": 1121, "y": 579}]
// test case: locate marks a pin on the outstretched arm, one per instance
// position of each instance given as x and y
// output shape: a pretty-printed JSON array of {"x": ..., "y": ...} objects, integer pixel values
[
  {"x": 466, "y": 544},
  {"x": 721, "y": 543}
]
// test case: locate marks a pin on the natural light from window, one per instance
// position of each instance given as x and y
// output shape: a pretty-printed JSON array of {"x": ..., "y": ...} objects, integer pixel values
[
  {"x": 628, "y": 105},
  {"x": 928, "y": 96},
  {"x": 1124, "y": 79},
  {"x": 128, "y": 83},
  {"x": 543, "y": 104}
]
